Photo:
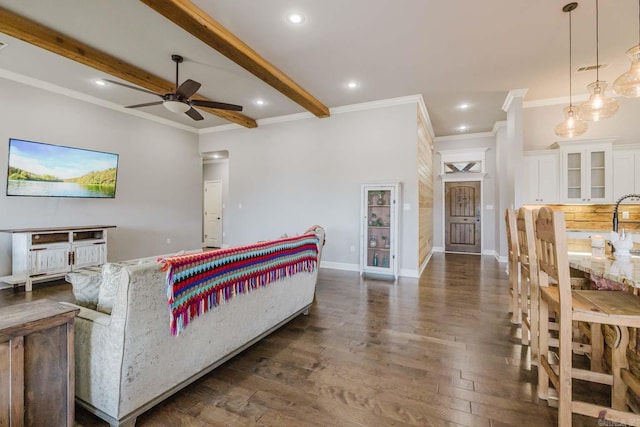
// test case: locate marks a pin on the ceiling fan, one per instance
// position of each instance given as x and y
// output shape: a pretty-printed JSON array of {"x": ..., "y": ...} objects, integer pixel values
[{"x": 179, "y": 101}]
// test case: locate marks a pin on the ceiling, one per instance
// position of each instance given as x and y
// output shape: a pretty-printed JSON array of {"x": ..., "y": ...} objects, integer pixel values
[{"x": 450, "y": 52}]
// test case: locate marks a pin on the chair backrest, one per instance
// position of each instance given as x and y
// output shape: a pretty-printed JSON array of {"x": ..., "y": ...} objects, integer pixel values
[
  {"x": 512, "y": 236},
  {"x": 527, "y": 245},
  {"x": 553, "y": 254}
]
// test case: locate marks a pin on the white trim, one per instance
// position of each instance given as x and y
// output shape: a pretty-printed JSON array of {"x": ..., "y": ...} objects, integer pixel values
[
  {"x": 439, "y": 249},
  {"x": 462, "y": 176},
  {"x": 514, "y": 93},
  {"x": 564, "y": 100},
  {"x": 498, "y": 125},
  {"x": 405, "y": 272},
  {"x": 501, "y": 259},
  {"x": 411, "y": 99},
  {"x": 29, "y": 81},
  {"x": 426, "y": 261},
  {"x": 490, "y": 252},
  {"x": 339, "y": 266},
  {"x": 464, "y": 136}
]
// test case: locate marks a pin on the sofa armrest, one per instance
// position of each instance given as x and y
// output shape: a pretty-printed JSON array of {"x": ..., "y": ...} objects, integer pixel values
[{"x": 91, "y": 315}]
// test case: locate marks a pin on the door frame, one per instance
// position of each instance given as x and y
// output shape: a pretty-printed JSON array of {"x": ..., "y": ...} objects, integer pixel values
[
  {"x": 204, "y": 224},
  {"x": 463, "y": 177}
]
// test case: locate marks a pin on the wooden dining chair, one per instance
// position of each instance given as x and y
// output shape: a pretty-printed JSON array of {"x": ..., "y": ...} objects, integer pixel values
[
  {"x": 621, "y": 310},
  {"x": 528, "y": 280},
  {"x": 513, "y": 261}
]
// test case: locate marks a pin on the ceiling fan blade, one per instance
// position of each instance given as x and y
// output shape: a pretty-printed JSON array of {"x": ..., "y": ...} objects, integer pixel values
[
  {"x": 146, "y": 104},
  {"x": 187, "y": 88},
  {"x": 216, "y": 105},
  {"x": 194, "y": 114},
  {"x": 131, "y": 87}
]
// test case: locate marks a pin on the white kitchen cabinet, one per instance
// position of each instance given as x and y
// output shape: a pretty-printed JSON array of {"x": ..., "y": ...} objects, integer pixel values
[
  {"x": 49, "y": 253},
  {"x": 542, "y": 172},
  {"x": 379, "y": 236},
  {"x": 626, "y": 172},
  {"x": 587, "y": 171}
]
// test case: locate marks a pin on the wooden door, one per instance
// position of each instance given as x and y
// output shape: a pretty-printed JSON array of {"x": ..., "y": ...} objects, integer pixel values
[
  {"x": 212, "y": 214},
  {"x": 462, "y": 217}
]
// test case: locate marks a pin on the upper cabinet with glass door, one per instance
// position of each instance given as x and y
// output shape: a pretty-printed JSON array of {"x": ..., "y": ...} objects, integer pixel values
[{"x": 586, "y": 171}]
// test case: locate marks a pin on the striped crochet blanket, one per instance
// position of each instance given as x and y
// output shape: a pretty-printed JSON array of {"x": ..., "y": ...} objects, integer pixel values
[{"x": 198, "y": 282}]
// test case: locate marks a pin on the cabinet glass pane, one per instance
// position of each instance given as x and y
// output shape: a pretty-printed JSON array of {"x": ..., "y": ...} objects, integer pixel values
[
  {"x": 378, "y": 228},
  {"x": 574, "y": 160},
  {"x": 597, "y": 175}
]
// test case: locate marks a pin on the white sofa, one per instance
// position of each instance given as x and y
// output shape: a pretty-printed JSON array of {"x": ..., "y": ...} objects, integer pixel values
[{"x": 127, "y": 361}]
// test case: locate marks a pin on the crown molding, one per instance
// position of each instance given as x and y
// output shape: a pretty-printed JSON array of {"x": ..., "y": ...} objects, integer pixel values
[
  {"x": 464, "y": 136},
  {"x": 411, "y": 99},
  {"x": 514, "y": 93},
  {"x": 30, "y": 81},
  {"x": 498, "y": 125}
]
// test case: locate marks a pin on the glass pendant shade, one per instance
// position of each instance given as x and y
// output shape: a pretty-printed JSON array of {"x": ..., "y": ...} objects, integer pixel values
[
  {"x": 598, "y": 106},
  {"x": 628, "y": 84},
  {"x": 572, "y": 125}
]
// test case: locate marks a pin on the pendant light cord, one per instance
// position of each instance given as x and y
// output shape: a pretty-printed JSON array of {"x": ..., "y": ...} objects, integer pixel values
[
  {"x": 570, "y": 66},
  {"x": 597, "y": 45}
]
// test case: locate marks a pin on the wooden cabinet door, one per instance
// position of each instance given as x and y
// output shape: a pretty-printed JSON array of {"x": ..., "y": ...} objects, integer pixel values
[
  {"x": 85, "y": 255},
  {"x": 50, "y": 260}
]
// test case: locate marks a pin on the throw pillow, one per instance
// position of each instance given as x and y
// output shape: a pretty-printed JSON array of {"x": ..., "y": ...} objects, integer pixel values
[
  {"x": 108, "y": 287},
  {"x": 85, "y": 284}
]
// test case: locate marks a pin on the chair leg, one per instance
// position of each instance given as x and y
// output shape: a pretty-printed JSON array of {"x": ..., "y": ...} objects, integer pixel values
[
  {"x": 524, "y": 304},
  {"x": 619, "y": 361},
  {"x": 597, "y": 347},
  {"x": 566, "y": 353},
  {"x": 543, "y": 350},
  {"x": 515, "y": 296},
  {"x": 533, "y": 324}
]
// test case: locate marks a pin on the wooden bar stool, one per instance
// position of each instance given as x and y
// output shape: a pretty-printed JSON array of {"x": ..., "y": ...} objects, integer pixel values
[
  {"x": 513, "y": 260},
  {"x": 618, "y": 309}
]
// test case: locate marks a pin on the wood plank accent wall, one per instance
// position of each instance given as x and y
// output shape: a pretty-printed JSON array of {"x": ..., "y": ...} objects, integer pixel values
[
  {"x": 425, "y": 191},
  {"x": 598, "y": 217}
]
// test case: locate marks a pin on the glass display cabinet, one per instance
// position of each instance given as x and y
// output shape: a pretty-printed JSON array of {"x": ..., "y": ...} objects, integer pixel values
[{"x": 379, "y": 235}]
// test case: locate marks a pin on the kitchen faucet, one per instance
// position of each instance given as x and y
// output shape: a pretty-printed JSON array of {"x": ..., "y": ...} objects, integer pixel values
[{"x": 615, "y": 210}]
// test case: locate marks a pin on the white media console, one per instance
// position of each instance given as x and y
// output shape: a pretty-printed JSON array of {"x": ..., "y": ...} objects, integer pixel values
[{"x": 40, "y": 254}]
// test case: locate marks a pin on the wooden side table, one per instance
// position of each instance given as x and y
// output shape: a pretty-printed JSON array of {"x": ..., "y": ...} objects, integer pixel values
[{"x": 37, "y": 385}]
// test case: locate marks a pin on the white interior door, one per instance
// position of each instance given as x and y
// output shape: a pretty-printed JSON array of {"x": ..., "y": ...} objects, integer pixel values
[{"x": 213, "y": 214}]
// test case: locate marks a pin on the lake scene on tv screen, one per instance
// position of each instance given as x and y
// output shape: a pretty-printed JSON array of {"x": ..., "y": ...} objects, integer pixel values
[{"x": 38, "y": 169}]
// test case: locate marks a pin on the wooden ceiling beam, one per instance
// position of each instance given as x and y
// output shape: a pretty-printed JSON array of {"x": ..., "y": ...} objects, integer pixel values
[
  {"x": 195, "y": 21},
  {"x": 38, "y": 35}
]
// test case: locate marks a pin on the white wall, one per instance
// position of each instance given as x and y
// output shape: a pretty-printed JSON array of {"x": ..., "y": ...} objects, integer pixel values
[
  {"x": 503, "y": 200},
  {"x": 158, "y": 194},
  {"x": 472, "y": 143},
  {"x": 289, "y": 176},
  {"x": 539, "y": 123}
]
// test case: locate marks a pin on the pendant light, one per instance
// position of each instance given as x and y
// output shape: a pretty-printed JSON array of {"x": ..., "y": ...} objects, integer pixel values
[
  {"x": 599, "y": 106},
  {"x": 572, "y": 124},
  {"x": 628, "y": 84}
]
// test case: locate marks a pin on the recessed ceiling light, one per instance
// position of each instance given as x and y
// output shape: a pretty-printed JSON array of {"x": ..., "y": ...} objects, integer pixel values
[
  {"x": 215, "y": 156},
  {"x": 3, "y": 45},
  {"x": 259, "y": 102},
  {"x": 100, "y": 82},
  {"x": 462, "y": 129},
  {"x": 295, "y": 18},
  {"x": 352, "y": 84},
  {"x": 463, "y": 106}
]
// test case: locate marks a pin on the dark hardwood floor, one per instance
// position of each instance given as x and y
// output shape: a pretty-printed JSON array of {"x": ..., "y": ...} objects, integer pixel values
[{"x": 438, "y": 351}]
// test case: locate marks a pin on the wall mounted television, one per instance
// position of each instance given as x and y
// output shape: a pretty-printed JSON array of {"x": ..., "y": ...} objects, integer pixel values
[{"x": 37, "y": 169}]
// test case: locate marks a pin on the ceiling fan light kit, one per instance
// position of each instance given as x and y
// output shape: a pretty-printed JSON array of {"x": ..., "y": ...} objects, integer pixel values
[
  {"x": 628, "y": 84},
  {"x": 598, "y": 106},
  {"x": 572, "y": 125}
]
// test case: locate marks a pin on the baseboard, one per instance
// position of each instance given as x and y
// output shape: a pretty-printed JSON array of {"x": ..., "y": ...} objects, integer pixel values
[
  {"x": 405, "y": 272},
  {"x": 339, "y": 266},
  {"x": 356, "y": 267},
  {"x": 438, "y": 249},
  {"x": 424, "y": 264}
]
